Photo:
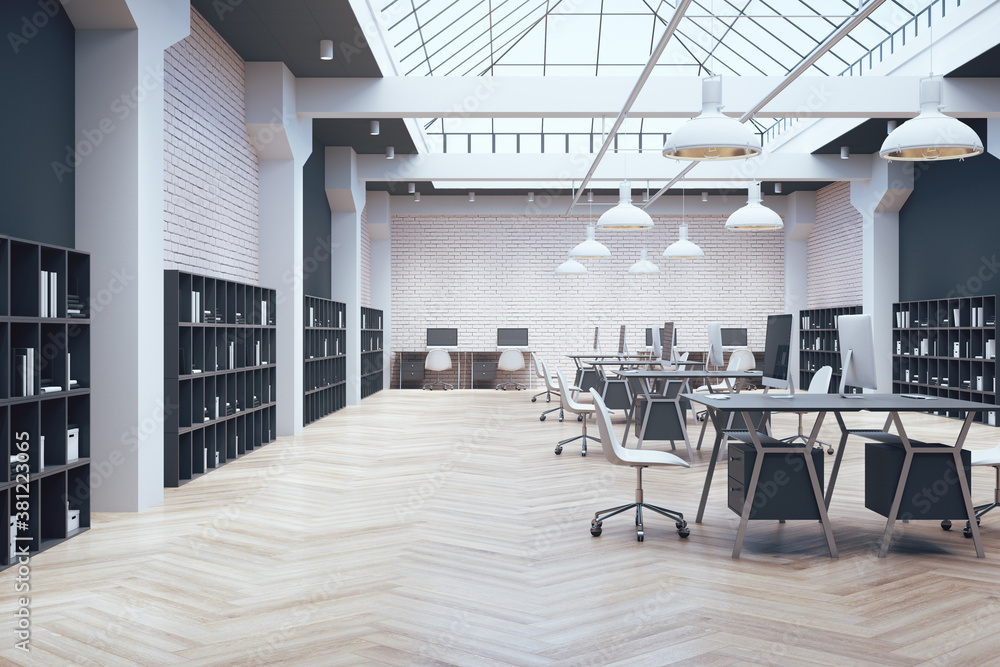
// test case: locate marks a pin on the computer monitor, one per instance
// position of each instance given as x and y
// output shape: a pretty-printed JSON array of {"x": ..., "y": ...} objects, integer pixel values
[
  {"x": 777, "y": 353},
  {"x": 649, "y": 336},
  {"x": 734, "y": 337},
  {"x": 668, "y": 337},
  {"x": 857, "y": 353},
  {"x": 654, "y": 338},
  {"x": 715, "y": 357},
  {"x": 512, "y": 338},
  {"x": 622, "y": 346},
  {"x": 442, "y": 338}
]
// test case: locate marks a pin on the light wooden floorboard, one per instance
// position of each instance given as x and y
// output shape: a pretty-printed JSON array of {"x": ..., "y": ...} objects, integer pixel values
[{"x": 440, "y": 528}]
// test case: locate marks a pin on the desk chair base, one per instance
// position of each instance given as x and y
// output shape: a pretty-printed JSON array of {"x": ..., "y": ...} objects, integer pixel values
[
  {"x": 542, "y": 417},
  {"x": 803, "y": 439},
  {"x": 599, "y": 517},
  {"x": 548, "y": 396},
  {"x": 583, "y": 436},
  {"x": 511, "y": 383},
  {"x": 438, "y": 383},
  {"x": 980, "y": 510}
]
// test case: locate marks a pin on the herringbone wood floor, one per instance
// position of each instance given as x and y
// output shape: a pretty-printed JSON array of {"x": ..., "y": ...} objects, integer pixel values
[{"x": 440, "y": 528}]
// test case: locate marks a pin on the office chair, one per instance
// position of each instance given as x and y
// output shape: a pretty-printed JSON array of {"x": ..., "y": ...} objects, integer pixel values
[
  {"x": 510, "y": 361},
  {"x": 638, "y": 459},
  {"x": 438, "y": 360},
  {"x": 583, "y": 410},
  {"x": 986, "y": 457},
  {"x": 539, "y": 372},
  {"x": 551, "y": 387},
  {"x": 820, "y": 384}
]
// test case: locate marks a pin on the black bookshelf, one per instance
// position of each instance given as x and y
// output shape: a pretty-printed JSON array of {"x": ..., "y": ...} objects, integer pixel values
[
  {"x": 44, "y": 395},
  {"x": 819, "y": 344},
  {"x": 371, "y": 351},
  {"x": 220, "y": 373},
  {"x": 946, "y": 347},
  {"x": 324, "y": 345}
]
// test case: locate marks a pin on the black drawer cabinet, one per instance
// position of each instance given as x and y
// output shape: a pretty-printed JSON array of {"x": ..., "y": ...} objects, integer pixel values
[
  {"x": 783, "y": 488},
  {"x": 484, "y": 370},
  {"x": 932, "y": 488},
  {"x": 411, "y": 370}
]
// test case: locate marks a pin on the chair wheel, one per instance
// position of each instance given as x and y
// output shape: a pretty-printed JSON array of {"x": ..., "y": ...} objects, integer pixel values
[
  {"x": 967, "y": 532},
  {"x": 583, "y": 452},
  {"x": 639, "y": 535},
  {"x": 681, "y": 525},
  {"x": 579, "y": 418},
  {"x": 559, "y": 449},
  {"x": 560, "y": 417},
  {"x": 595, "y": 528},
  {"x": 684, "y": 532},
  {"x": 946, "y": 525},
  {"x": 830, "y": 451},
  {"x": 534, "y": 398},
  {"x": 548, "y": 399},
  {"x": 542, "y": 418}
]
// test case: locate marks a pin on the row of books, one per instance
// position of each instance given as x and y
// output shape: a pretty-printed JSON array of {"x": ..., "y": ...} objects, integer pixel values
[{"x": 316, "y": 322}]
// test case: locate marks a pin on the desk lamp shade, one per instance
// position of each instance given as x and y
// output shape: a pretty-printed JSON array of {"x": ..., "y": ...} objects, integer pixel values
[
  {"x": 590, "y": 248},
  {"x": 931, "y": 135},
  {"x": 643, "y": 267},
  {"x": 624, "y": 215},
  {"x": 754, "y": 216},
  {"x": 711, "y": 135}
]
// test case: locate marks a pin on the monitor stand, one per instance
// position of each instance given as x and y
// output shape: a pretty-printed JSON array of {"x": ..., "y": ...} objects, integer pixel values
[
  {"x": 843, "y": 377},
  {"x": 791, "y": 388}
]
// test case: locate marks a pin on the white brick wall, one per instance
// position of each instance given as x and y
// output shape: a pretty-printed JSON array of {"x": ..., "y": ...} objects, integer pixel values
[
  {"x": 210, "y": 169},
  {"x": 834, "y": 250},
  {"x": 366, "y": 261},
  {"x": 480, "y": 273}
]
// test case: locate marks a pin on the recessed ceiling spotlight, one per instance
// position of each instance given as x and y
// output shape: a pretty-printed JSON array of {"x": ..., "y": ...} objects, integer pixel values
[
  {"x": 390, "y": 152},
  {"x": 375, "y": 128},
  {"x": 704, "y": 196},
  {"x": 531, "y": 197},
  {"x": 326, "y": 49},
  {"x": 472, "y": 196},
  {"x": 777, "y": 188},
  {"x": 845, "y": 152},
  {"x": 411, "y": 188}
]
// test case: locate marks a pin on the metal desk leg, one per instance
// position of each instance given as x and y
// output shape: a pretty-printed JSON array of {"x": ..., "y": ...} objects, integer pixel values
[
  {"x": 751, "y": 490},
  {"x": 897, "y": 498},
  {"x": 966, "y": 495},
  {"x": 716, "y": 417},
  {"x": 837, "y": 460},
  {"x": 817, "y": 492}
]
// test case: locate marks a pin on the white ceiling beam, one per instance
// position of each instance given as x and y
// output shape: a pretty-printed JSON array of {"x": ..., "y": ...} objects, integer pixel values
[
  {"x": 662, "y": 97},
  {"x": 561, "y": 168}
]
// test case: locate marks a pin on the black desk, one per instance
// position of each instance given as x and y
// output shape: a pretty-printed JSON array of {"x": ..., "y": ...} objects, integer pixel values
[
  {"x": 660, "y": 390},
  {"x": 588, "y": 377},
  {"x": 719, "y": 407}
]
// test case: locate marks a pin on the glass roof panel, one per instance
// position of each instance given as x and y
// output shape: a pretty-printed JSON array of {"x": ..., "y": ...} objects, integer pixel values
[
  {"x": 573, "y": 40},
  {"x": 636, "y": 49}
]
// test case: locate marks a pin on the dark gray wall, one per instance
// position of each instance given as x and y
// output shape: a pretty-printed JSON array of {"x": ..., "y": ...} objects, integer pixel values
[
  {"x": 949, "y": 230},
  {"x": 38, "y": 83},
  {"x": 315, "y": 226}
]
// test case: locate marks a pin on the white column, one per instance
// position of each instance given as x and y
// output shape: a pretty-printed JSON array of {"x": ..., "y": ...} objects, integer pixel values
[
  {"x": 119, "y": 220},
  {"x": 380, "y": 231},
  {"x": 800, "y": 219},
  {"x": 347, "y": 199},
  {"x": 879, "y": 201},
  {"x": 283, "y": 143}
]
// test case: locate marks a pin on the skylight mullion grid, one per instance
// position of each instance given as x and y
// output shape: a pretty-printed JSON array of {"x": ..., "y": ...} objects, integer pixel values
[
  {"x": 680, "y": 36},
  {"x": 753, "y": 43},
  {"x": 724, "y": 32},
  {"x": 468, "y": 44},
  {"x": 514, "y": 40}
]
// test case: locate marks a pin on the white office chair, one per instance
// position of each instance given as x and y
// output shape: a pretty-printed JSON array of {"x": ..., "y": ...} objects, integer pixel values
[
  {"x": 985, "y": 457},
  {"x": 577, "y": 407},
  {"x": 437, "y": 360},
  {"x": 510, "y": 361},
  {"x": 551, "y": 387},
  {"x": 820, "y": 384},
  {"x": 540, "y": 373},
  {"x": 638, "y": 459}
]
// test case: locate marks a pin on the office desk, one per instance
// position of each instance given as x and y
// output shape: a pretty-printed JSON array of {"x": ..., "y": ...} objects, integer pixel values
[
  {"x": 588, "y": 377},
  {"x": 471, "y": 362},
  {"x": 661, "y": 389},
  {"x": 719, "y": 407}
]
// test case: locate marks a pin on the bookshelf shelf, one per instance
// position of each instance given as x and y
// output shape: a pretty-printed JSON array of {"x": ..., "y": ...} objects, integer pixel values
[
  {"x": 946, "y": 347},
  {"x": 44, "y": 395},
  {"x": 819, "y": 344},
  {"x": 219, "y": 371},
  {"x": 371, "y": 351},
  {"x": 324, "y": 346}
]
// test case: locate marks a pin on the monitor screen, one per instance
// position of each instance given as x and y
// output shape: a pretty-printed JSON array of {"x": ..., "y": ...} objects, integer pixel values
[
  {"x": 512, "y": 338},
  {"x": 621, "y": 340},
  {"x": 734, "y": 338},
  {"x": 777, "y": 351},
  {"x": 649, "y": 336},
  {"x": 442, "y": 338},
  {"x": 668, "y": 336},
  {"x": 715, "y": 357},
  {"x": 856, "y": 338}
]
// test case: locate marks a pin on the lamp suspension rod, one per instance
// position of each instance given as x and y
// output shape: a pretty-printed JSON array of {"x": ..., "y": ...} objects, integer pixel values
[
  {"x": 654, "y": 57},
  {"x": 818, "y": 52}
]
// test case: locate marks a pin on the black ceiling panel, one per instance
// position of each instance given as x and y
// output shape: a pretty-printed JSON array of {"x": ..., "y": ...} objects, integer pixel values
[
  {"x": 426, "y": 188},
  {"x": 357, "y": 134},
  {"x": 986, "y": 64}
]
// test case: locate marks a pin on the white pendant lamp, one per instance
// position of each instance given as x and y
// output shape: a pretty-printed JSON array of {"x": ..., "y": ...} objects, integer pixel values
[
  {"x": 712, "y": 136},
  {"x": 570, "y": 267},
  {"x": 643, "y": 267},
  {"x": 624, "y": 215},
  {"x": 754, "y": 216},
  {"x": 931, "y": 135},
  {"x": 591, "y": 248},
  {"x": 682, "y": 248}
]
